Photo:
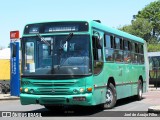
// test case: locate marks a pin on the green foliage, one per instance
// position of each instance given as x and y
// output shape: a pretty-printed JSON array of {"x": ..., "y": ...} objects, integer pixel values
[
  {"x": 127, "y": 28},
  {"x": 153, "y": 47},
  {"x": 139, "y": 27},
  {"x": 146, "y": 24},
  {"x": 152, "y": 13}
]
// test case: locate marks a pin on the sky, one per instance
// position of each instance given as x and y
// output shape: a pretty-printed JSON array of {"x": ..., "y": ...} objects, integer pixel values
[{"x": 14, "y": 15}]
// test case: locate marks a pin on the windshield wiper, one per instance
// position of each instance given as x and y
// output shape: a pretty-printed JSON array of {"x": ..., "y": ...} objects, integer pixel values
[
  {"x": 69, "y": 37},
  {"x": 42, "y": 39},
  {"x": 65, "y": 40}
]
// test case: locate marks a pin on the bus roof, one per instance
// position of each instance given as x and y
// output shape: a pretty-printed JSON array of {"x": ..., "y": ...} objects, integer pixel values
[
  {"x": 115, "y": 31},
  {"x": 102, "y": 27},
  {"x": 153, "y": 54}
]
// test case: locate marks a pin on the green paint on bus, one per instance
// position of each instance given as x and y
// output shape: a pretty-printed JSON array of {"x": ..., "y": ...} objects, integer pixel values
[{"x": 80, "y": 63}]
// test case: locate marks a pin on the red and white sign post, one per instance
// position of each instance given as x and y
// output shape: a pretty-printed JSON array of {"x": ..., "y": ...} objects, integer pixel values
[
  {"x": 14, "y": 35},
  {"x": 14, "y": 64}
]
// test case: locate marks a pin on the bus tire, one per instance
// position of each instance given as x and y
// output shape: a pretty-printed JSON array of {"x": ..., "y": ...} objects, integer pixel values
[
  {"x": 140, "y": 90},
  {"x": 111, "y": 97}
]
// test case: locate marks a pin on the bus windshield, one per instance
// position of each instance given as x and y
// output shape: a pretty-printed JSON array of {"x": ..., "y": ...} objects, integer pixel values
[{"x": 60, "y": 56}]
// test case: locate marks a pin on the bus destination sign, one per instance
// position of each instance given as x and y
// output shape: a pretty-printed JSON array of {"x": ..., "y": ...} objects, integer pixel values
[{"x": 53, "y": 27}]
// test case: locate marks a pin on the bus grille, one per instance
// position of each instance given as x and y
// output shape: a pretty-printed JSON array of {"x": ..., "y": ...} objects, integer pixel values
[
  {"x": 53, "y": 83},
  {"x": 58, "y": 91}
]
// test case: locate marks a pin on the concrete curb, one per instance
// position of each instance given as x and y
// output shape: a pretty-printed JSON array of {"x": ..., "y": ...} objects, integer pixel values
[
  {"x": 154, "y": 109},
  {"x": 154, "y": 89},
  {"x": 8, "y": 97}
]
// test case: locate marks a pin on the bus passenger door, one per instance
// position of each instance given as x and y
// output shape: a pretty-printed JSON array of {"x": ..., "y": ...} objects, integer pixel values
[{"x": 98, "y": 80}]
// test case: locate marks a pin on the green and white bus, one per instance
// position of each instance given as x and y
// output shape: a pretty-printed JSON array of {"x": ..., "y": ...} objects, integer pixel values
[{"x": 80, "y": 63}]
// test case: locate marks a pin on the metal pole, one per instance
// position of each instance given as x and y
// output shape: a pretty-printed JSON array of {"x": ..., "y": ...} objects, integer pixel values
[{"x": 156, "y": 76}]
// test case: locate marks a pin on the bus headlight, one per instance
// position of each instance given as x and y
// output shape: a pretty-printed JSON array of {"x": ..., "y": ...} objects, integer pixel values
[
  {"x": 81, "y": 90},
  {"x": 26, "y": 90}
]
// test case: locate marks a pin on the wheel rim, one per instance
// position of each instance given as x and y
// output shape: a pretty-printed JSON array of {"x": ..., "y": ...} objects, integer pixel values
[
  {"x": 109, "y": 96},
  {"x": 140, "y": 91}
]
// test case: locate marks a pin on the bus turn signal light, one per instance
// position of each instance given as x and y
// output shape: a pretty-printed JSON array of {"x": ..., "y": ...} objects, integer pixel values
[
  {"x": 21, "y": 89},
  {"x": 89, "y": 89}
]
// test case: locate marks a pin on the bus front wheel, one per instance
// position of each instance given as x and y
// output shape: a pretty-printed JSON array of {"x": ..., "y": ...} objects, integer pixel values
[{"x": 111, "y": 97}]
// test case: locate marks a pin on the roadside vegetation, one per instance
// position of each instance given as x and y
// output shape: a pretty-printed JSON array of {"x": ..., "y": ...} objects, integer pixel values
[{"x": 146, "y": 24}]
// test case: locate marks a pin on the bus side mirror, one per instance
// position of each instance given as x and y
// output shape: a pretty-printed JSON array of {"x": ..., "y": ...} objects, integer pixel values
[{"x": 96, "y": 42}]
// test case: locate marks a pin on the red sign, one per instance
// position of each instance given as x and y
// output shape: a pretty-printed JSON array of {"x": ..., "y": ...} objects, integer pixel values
[{"x": 14, "y": 35}]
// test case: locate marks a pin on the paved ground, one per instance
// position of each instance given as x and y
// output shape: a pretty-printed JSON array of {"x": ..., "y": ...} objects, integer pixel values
[
  {"x": 155, "y": 99},
  {"x": 8, "y": 97},
  {"x": 152, "y": 97}
]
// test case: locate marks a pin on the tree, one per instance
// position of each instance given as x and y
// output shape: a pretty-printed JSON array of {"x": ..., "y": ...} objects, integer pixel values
[
  {"x": 146, "y": 24},
  {"x": 153, "y": 47},
  {"x": 152, "y": 13},
  {"x": 139, "y": 27}
]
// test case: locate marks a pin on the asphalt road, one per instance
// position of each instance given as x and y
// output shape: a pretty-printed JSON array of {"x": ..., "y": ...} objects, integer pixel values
[{"x": 123, "y": 108}]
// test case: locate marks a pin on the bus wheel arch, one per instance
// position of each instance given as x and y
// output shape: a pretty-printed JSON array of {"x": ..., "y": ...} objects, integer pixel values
[
  {"x": 111, "y": 80},
  {"x": 111, "y": 94}
]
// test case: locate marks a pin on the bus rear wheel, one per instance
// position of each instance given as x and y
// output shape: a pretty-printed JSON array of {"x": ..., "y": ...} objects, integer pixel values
[{"x": 111, "y": 97}]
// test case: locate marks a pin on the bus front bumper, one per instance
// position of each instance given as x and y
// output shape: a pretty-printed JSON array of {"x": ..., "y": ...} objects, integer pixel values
[{"x": 81, "y": 99}]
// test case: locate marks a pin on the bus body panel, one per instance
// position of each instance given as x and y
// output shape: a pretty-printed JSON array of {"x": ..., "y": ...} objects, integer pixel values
[
  {"x": 124, "y": 82},
  {"x": 57, "y": 90},
  {"x": 27, "y": 99},
  {"x": 64, "y": 91}
]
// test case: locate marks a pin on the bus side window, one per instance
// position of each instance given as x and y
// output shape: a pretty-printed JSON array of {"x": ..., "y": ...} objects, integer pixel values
[
  {"x": 136, "y": 53},
  {"x": 121, "y": 44},
  {"x": 112, "y": 39},
  {"x": 133, "y": 52},
  {"x": 97, "y": 48},
  {"x": 107, "y": 41},
  {"x": 118, "y": 53},
  {"x": 127, "y": 53},
  {"x": 117, "y": 43},
  {"x": 97, "y": 54},
  {"x": 125, "y": 45},
  {"x": 141, "y": 54},
  {"x": 109, "y": 48}
]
